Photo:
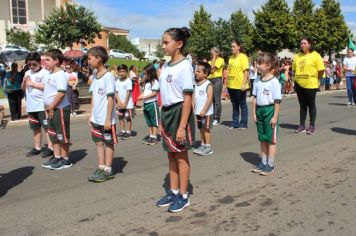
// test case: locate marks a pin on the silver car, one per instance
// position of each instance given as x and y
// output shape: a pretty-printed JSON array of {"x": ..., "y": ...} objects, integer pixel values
[{"x": 116, "y": 53}]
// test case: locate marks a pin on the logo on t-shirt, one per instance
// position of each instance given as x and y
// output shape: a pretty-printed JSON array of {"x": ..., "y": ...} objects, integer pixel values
[
  {"x": 201, "y": 92},
  {"x": 101, "y": 91},
  {"x": 125, "y": 87},
  {"x": 265, "y": 91},
  {"x": 169, "y": 78},
  {"x": 38, "y": 79}
]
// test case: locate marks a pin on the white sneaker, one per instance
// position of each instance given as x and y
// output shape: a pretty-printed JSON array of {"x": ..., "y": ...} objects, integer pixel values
[
  {"x": 349, "y": 104},
  {"x": 216, "y": 122},
  {"x": 353, "y": 104},
  {"x": 198, "y": 150}
]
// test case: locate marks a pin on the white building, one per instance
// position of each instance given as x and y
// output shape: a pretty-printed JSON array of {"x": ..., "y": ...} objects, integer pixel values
[{"x": 146, "y": 45}]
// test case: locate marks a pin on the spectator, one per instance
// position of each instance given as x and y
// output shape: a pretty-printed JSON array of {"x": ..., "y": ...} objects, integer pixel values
[
  {"x": 14, "y": 81},
  {"x": 349, "y": 67}
]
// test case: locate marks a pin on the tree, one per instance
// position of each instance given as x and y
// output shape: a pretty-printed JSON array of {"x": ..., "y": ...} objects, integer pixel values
[
  {"x": 337, "y": 30},
  {"x": 67, "y": 25},
  {"x": 304, "y": 21},
  {"x": 122, "y": 43},
  {"x": 19, "y": 37},
  {"x": 201, "y": 39},
  {"x": 273, "y": 26},
  {"x": 242, "y": 30},
  {"x": 221, "y": 37}
]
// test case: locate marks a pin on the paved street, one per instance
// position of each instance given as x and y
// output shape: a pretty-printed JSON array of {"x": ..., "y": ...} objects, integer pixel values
[{"x": 311, "y": 193}]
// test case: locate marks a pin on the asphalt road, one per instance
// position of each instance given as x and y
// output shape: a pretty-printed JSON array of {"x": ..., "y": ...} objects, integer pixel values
[{"x": 311, "y": 193}]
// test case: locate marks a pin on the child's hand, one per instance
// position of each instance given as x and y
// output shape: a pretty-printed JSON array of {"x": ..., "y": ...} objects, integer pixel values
[
  {"x": 140, "y": 97},
  {"x": 254, "y": 117},
  {"x": 202, "y": 114},
  {"x": 29, "y": 83},
  {"x": 107, "y": 125},
  {"x": 89, "y": 122},
  {"x": 274, "y": 121},
  {"x": 50, "y": 113},
  {"x": 180, "y": 137}
]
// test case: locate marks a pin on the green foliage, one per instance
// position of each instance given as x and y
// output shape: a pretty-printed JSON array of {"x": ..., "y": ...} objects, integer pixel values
[
  {"x": 273, "y": 25},
  {"x": 202, "y": 38},
  {"x": 2, "y": 94},
  {"x": 122, "y": 43},
  {"x": 68, "y": 25},
  {"x": 19, "y": 37},
  {"x": 139, "y": 64},
  {"x": 242, "y": 30},
  {"x": 222, "y": 37}
]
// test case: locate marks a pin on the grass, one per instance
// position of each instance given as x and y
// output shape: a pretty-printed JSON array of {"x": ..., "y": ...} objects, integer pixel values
[
  {"x": 139, "y": 64},
  {"x": 2, "y": 95}
]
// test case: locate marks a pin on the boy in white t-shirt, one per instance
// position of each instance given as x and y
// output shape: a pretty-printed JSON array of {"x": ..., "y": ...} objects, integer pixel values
[
  {"x": 58, "y": 110},
  {"x": 33, "y": 84},
  {"x": 102, "y": 119},
  {"x": 203, "y": 107},
  {"x": 124, "y": 102}
]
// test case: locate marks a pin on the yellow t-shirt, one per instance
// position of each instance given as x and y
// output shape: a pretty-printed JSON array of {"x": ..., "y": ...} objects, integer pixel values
[
  {"x": 219, "y": 66},
  {"x": 306, "y": 68},
  {"x": 237, "y": 66}
]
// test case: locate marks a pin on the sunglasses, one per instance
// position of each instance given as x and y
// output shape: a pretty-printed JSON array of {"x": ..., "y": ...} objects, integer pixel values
[
  {"x": 68, "y": 67},
  {"x": 33, "y": 64}
]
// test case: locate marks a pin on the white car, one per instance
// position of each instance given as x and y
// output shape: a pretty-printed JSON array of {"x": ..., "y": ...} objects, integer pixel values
[
  {"x": 116, "y": 53},
  {"x": 6, "y": 48},
  {"x": 151, "y": 57}
]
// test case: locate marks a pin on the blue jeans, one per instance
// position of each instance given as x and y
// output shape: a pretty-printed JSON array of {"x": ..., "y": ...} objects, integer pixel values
[
  {"x": 238, "y": 100},
  {"x": 351, "y": 93}
]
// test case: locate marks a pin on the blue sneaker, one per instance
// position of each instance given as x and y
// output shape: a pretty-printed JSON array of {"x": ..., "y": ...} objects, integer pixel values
[
  {"x": 258, "y": 168},
  {"x": 166, "y": 200},
  {"x": 267, "y": 170},
  {"x": 179, "y": 204}
]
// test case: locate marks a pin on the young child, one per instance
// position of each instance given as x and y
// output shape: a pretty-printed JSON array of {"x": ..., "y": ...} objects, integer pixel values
[
  {"x": 150, "y": 105},
  {"x": 58, "y": 110},
  {"x": 177, "y": 122},
  {"x": 102, "y": 120},
  {"x": 33, "y": 84},
  {"x": 203, "y": 108},
  {"x": 266, "y": 106},
  {"x": 124, "y": 101},
  {"x": 72, "y": 91}
]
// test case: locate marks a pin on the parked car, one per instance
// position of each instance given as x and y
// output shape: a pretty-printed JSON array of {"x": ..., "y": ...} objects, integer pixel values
[
  {"x": 6, "y": 48},
  {"x": 116, "y": 53},
  {"x": 151, "y": 57}
]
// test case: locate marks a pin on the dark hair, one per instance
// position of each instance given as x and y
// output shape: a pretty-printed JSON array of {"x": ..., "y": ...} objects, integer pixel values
[
  {"x": 350, "y": 49},
  {"x": 179, "y": 34},
  {"x": 55, "y": 54},
  {"x": 122, "y": 67},
  {"x": 309, "y": 40},
  {"x": 132, "y": 67},
  {"x": 99, "y": 51},
  {"x": 206, "y": 67},
  {"x": 33, "y": 56},
  {"x": 151, "y": 74},
  {"x": 269, "y": 59},
  {"x": 238, "y": 43}
]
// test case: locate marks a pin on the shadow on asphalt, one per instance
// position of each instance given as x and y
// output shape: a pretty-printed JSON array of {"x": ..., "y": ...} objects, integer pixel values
[
  {"x": 344, "y": 131},
  {"x": 166, "y": 185},
  {"x": 118, "y": 165},
  {"x": 77, "y": 155},
  {"x": 337, "y": 104},
  {"x": 289, "y": 126},
  {"x": 226, "y": 123},
  {"x": 251, "y": 157},
  {"x": 13, "y": 178}
]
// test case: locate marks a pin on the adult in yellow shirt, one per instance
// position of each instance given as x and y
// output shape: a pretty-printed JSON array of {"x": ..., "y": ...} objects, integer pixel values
[
  {"x": 237, "y": 85},
  {"x": 217, "y": 65},
  {"x": 308, "y": 67}
]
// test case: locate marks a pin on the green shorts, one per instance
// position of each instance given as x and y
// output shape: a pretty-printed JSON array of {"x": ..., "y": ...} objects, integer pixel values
[
  {"x": 205, "y": 122},
  {"x": 58, "y": 126},
  {"x": 98, "y": 134},
  {"x": 151, "y": 113},
  {"x": 37, "y": 120},
  {"x": 266, "y": 133},
  {"x": 170, "y": 121}
]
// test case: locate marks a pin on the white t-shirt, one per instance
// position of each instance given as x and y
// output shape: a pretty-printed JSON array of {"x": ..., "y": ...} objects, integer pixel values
[
  {"x": 350, "y": 63},
  {"x": 201, "y": 95},
  {"x": 132, "y": 75},
  {"x": 54, "y": 83},
  {"x": 149, "y": 88},
  {"x": 100, "y": 89},
  {"x": 34, "y": 97},
  {"x": 174, "y": 80},
  {"x": 267, "y": 92},
  {"x": 122, "y": 86},
  {"x": 253, "y": 72}
]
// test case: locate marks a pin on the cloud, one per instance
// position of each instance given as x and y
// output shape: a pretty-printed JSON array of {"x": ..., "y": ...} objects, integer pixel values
[{"x": 352, "y": 26}]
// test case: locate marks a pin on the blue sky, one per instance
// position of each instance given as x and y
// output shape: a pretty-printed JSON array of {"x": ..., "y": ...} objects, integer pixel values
[{"x": 149, "y": 18}]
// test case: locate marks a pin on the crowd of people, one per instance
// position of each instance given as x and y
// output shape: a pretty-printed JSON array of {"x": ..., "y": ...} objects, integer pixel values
[{"x": 177, "y": 96}]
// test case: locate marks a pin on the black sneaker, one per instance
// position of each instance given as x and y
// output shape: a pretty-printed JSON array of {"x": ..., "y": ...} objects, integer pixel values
[
  {"x": 50, "y": 162},
  {"x": 33, "y": 152},
  {"x": 152, "y": 141},
  {"x": 125, "y": 136},
  {"x": 61, "y": 164},
  {"x": 47, "y": 152},
  {"x": 120, "y": 134}
]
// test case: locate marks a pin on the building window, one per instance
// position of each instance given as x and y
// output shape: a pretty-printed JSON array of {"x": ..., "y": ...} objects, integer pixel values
[{"x": 19, "y": 12}]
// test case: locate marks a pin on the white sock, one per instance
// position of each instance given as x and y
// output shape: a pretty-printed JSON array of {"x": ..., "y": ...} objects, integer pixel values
[
  {"x": 108, "y": 169},
  {"x": 123, "y": 131},
  {"x": 66, "y": 158},
  {"x": 101, "y": 167},
  {"x": 51, "y": 148},
  {"x": 271, "y": 162},
  {"x": 185, "y": 195},
  {"x": 207, "y": 145},
  {"x": 129, "y": 132},
  {"x": 264, "y": 160},
  {"x": 175, "y": 191},
  {"x": 58, "y": 157},
  {"x": 38, "y": 148}
]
